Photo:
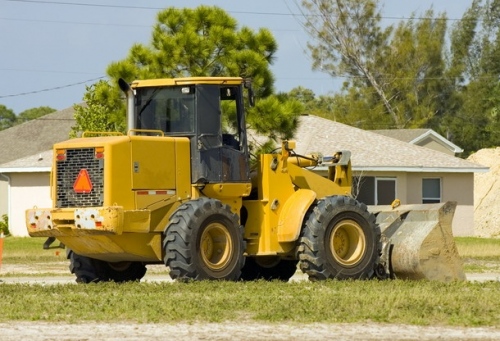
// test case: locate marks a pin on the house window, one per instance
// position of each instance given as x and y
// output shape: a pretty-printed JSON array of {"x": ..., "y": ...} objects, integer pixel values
[
  {"x": 386, "y": 191},
  {"x": 431, "y": 190},
  {"x": 374, "y": 191},
  {"x": 363, "y": 189}
]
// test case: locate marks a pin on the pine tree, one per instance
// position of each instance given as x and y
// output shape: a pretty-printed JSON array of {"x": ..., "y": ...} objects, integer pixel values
[{"x": 204, "y": 41}]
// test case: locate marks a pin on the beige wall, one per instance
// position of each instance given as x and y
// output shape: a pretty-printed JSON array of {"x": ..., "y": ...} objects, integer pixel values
[
  {"x": 27, "y": 190},
  {"x": 433, "y": 144},
  {"x": 4, "y": 203},
  {"x": 457, "y": 187}
]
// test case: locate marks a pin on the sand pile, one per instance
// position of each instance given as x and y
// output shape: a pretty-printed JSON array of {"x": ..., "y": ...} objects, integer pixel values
[{"x": 487, "y": 193}]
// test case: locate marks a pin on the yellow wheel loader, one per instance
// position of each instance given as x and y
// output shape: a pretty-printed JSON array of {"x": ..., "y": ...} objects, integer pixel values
[{"x": 178, "y": 189}]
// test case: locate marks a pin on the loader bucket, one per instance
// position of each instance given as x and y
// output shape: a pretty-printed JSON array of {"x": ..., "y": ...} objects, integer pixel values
[{"x": 418, "y": 242}]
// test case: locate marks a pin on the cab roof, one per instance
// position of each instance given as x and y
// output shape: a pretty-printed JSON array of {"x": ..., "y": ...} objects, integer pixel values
[{"x": 186, "y": 81}]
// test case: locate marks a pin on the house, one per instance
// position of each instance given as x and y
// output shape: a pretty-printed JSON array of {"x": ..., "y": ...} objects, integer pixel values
[
  {"x": 30, "y": 139},
  {"x": 424, "y": 138},
  {"x": 385, "y": 168}
]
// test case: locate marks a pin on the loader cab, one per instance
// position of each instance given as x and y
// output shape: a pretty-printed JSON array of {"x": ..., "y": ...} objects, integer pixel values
[{"x": 199, "y": 109}]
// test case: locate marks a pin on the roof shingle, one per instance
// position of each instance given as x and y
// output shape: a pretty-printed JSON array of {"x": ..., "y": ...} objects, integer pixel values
[{"x": 35, "y": 136}]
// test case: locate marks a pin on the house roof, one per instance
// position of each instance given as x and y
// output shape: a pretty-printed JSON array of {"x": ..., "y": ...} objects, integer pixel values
[
  {"x": 406, "y": 135},
  {"x": 415, "y": 136},
  {"x": 40, "y": 162},
  {"x": 35, "y": 136},
  {"x": 369, "y": 151}
]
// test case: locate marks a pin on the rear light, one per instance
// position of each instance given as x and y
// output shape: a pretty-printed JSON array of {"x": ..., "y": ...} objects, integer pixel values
[
  {"x": 60, "y": 154},
  {"x": 99, "y": 153}
]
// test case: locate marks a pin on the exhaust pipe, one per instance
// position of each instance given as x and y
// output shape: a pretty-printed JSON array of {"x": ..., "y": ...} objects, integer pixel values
[{"x": 130, "y": 102}]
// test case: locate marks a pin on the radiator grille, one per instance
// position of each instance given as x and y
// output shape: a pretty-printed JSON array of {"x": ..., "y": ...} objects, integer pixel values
[{"x": 67, "y": 172}]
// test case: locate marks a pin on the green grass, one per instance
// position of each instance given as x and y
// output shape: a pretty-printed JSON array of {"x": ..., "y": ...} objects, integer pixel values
[
  {"x": 478, "y": 248},
  {"x": 480, "y": 255},
  {"x": 407, "y": 302},
  {"x": 28, "y": 250}
]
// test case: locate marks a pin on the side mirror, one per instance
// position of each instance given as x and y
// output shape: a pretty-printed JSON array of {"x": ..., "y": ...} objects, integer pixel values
[{"x": 251, "y": 98}]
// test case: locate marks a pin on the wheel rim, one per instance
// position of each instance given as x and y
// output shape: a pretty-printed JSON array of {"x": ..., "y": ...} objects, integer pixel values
[
  {"x": 347, "y": 243},
  {"x": 216, "y": 246}
]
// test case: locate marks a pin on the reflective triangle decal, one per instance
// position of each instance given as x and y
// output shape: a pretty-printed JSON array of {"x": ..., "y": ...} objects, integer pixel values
[{"x": 82, "y": 183}]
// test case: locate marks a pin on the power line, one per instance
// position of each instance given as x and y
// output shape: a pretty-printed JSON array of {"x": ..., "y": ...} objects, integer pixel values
[
  {"x": 82, "y": 4},
  {"x": 73, "y": 22},
  {"x": 107, "y": 24},
  {"x": 85, "y": 4},
  {"x": 51, "y": 89},
  {"x": 50, "y": 71}
]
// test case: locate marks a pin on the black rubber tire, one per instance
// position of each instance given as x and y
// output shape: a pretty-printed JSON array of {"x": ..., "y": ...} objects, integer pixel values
[
  {"x": 340, "y": 240},
  {"x": 196, "y": 234},
  {"x": 268, "y": 268},
  {"x": 89, "y": 270},
  {"x": 82, "y": 267},
  {"x": 121, "y": 272}
]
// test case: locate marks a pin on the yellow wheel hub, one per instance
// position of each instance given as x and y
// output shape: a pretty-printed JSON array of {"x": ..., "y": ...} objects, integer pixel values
[
  {"x": 347, "y": 243},
  {"x": 216, "y": 246}
]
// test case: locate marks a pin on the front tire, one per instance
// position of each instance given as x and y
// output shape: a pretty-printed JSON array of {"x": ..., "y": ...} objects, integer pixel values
[
  {"x": 340, "y": 240},
  {"x": 204, "y": 240}
]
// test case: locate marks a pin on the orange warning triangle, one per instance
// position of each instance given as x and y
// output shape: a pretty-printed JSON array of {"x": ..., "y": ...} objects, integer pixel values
[{"x": 82, "y": 183}]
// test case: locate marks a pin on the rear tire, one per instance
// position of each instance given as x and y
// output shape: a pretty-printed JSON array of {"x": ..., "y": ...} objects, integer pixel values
[
  {"x": 90, "y": 270},
  {"x": 204, "y": 240},
  {"x": 340, "y": 240},
  {"x": 82, "y": 267},
  {"x": 268, "y": 268}
]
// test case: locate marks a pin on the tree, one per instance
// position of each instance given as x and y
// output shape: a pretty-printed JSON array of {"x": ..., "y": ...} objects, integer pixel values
[
  {"x": 33, "y": 113},
  {"x": 204, "y": 41},
  {"x": 98, "y": 113},
  {"x": 394, "y": 75},
  {"x": 347, "y": 39},
  {"x": 7, "y": 117},
  {"x": 475, "y": 70}
]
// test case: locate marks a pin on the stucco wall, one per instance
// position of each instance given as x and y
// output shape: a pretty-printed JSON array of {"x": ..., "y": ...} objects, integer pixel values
[
  {"x": 433, "y": 144},
  {"x": 27, "y": 190},
  {"x": 457, "y": 187},
  {"x": 4, "y": 203}
]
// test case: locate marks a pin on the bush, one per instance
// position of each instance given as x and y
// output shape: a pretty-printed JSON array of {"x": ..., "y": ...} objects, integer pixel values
[{"x": 4, "y": 225}]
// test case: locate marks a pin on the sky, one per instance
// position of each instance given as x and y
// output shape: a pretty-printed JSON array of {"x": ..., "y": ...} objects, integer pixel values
[{"x": 51, "y": 49}]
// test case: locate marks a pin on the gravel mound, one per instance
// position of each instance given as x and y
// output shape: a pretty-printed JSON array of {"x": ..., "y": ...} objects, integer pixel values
[{"x": 487, "y": 193}]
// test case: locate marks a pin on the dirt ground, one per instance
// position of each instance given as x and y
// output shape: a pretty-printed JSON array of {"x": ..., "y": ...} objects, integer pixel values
[{"x": 236, "y": 331}]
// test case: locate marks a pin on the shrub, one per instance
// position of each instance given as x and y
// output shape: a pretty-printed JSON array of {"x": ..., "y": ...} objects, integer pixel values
[{"x": 4, "y": 225}]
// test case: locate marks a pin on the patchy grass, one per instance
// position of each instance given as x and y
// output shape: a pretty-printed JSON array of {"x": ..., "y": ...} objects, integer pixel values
[
  {"x": 27, "y": 250},
  {"x": 406, "y": 302},
  {"x": 480, "y": 255},
  {"x": 479, "y": 248}
]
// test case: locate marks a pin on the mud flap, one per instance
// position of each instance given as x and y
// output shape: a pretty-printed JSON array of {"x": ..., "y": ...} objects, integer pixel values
[{"x": 418, "y": 242}]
